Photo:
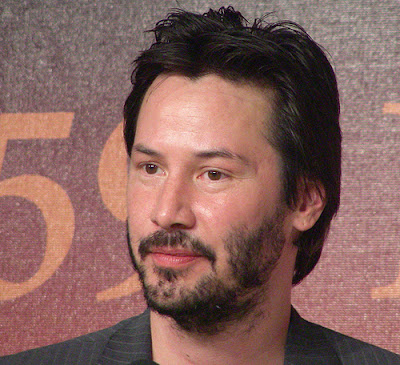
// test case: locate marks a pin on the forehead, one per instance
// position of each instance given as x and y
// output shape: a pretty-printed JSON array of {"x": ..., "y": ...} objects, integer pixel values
[{"x": 207, "y": 106}]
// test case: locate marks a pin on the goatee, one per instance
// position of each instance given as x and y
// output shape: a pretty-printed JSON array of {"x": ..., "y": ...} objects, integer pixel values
[{"x": 215, "y": 301}]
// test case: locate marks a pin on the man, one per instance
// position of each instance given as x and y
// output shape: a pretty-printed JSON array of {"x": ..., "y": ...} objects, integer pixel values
[{"x": 234, "y": 143}]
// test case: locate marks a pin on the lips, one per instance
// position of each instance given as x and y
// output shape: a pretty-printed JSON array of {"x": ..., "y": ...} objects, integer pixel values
[
  {"x": 174, "y": 249},
  {"x": 173, "y": 257}
]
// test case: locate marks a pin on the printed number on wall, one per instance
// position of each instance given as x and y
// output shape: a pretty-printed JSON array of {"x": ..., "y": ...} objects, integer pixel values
[
  {"x": 391, "y": 290},
  {"x": 112, "y": 177},
  {"x": 41, "y": 191}
]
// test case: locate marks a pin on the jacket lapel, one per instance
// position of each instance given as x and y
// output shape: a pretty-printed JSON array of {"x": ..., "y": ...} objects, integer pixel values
[{"x": 307, "y": 344}]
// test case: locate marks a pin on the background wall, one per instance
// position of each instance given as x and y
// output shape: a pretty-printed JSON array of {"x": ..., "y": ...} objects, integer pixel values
[{"x": 64, "y": 73}]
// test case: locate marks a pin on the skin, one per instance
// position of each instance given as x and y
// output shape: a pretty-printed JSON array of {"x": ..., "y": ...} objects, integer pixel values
[{"x": 201, "y": 164}]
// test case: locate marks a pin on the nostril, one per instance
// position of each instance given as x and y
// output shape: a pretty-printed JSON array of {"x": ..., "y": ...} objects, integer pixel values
[{"x": 177, "y": 226}]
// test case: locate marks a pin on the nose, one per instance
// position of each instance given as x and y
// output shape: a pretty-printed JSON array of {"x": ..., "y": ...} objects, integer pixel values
[{"x": 173, "y": 208}]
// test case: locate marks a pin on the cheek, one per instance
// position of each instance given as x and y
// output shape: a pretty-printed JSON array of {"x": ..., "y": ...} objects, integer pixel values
[
  {"x": 139, "y": 208},
  {"x": 242, "y": 208}
]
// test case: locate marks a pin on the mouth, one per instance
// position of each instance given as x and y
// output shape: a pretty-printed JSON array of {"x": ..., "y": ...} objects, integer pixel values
[
  {"x": 173, "y": 257},
  {"x": 176, "y": 250}
]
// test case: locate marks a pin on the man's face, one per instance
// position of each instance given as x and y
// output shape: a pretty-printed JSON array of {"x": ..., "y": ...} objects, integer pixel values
[{"x": 206, "y": 219}]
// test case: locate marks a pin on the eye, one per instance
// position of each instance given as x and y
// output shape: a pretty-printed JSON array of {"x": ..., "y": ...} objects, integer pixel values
[
  {"x": 215, "y": 175},
  {"x": 150, "y": 168}
]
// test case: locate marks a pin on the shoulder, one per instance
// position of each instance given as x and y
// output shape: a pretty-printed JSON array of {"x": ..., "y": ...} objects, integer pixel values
[
  {"x": 353, "y": 351},
  {"x": 85, "y": 349},
  {"x": 320, "y": 345}
]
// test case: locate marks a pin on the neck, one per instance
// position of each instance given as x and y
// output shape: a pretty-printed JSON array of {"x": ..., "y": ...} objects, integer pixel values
[{"x": 257, "y": 339}]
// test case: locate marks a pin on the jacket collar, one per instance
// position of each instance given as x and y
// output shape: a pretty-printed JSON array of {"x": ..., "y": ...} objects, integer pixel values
[{"x": 306, "y": 343}]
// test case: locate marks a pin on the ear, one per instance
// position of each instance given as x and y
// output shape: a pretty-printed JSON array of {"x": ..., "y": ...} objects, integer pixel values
[{"x": 310, "y": 204}]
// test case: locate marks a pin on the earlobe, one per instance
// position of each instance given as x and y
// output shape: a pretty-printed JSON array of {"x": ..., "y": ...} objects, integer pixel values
[{"x": 311, "y": 202}]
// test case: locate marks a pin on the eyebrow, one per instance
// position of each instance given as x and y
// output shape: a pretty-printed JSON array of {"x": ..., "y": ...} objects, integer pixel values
[
  {"x": 143, "y": 149},
  {"x": 207, "y": 154},
  {"x": 224, "y": 153}
]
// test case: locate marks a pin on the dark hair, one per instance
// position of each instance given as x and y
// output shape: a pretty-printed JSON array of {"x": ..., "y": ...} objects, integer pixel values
[{"x": 279, "y": 56}]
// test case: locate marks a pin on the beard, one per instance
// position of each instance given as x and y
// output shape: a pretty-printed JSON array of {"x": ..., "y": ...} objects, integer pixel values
[{"x": 216, "y": 300}]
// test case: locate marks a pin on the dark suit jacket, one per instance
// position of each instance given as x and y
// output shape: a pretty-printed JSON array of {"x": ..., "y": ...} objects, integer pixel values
[{"x": 130, "y": 340}]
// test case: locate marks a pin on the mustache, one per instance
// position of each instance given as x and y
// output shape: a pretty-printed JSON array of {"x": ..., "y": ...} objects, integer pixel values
[{"x": 175, "y": 239}]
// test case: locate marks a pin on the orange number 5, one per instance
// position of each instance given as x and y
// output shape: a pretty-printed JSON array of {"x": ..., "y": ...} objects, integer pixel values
[{"x": 43, "y": 192}]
